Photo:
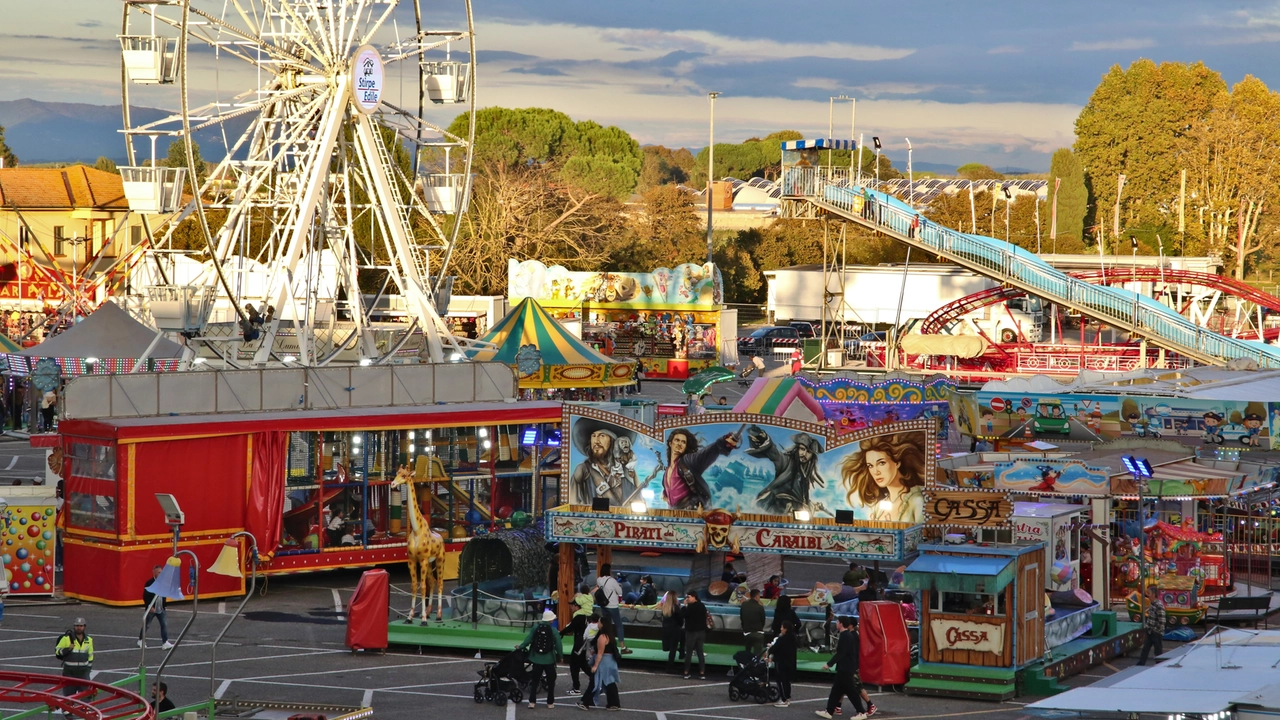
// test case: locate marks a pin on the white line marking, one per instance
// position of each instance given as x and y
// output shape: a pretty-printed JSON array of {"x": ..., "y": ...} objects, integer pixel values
[
  {"x": 12, "y": 462},
  {"x": 46, "y": 617},
  {"x": 222, "y": 608},
  {"x": 660, "y": 716},
  {"x": 367, "y": 669},
  {"x": 511, "y": 710},
  {"x": 337, "y": 605},
  {"x": 367, "y": 700},
  {"x": 217, "y": 695}
]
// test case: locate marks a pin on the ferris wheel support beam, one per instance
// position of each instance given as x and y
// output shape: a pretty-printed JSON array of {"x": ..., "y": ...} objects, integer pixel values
[
  {"x": 317, "y": 173},
  {"x": 415, "y": 286}
]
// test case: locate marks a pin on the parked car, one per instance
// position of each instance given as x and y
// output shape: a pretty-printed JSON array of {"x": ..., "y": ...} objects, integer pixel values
[
  {"x": 805, "y": 329},
  {"x": 853, "y": 346},
  {"x": 764, "y": 339}
]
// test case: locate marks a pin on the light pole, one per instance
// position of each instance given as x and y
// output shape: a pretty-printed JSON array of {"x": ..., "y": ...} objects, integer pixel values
[
  {"x": 1140, "y": 470},
  {"x": 831, "y": 107},
  {"x": 911, "y": 178},
  {"x": 228, "y": 564},
  {"x": 711, "y": 169},
  {"x": 76, "y": 241},
  {"x": 876, "y": 141},
  {"x": 169, "y": 583},
  {"x": 1007, "y": 197}
]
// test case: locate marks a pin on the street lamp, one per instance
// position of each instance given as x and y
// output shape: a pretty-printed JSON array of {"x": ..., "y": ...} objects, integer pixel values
[
  {"x": 831, "y": 107},
  {"x": 1140, "y": 469},
  {"x": 76, "y": 241},
  {"x": 876, "y": 141},
  {"x": 911, "y": 178},
  {"x": 1007, "y": 197},
  {"x": 711, "y": 169},
  {"x": 228, "y": 564},
  {"x": 169, "y": 583}
]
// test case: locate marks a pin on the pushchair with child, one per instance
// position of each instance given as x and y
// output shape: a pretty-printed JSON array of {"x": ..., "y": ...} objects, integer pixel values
[
  {"x": 505, "y": 679},
  {"x": 751, "y": 679}
]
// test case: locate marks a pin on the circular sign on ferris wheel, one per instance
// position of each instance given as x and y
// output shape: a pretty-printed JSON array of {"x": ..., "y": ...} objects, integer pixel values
[{"x": 367, "y": 79}]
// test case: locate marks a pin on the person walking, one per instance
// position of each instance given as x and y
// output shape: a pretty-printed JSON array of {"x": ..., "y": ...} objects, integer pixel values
[
  {"x": 751, "y": 615},
  {"x": 604, "y": 670},
  {"x": 757, "y": 362},
  {"x": 75, "y": 650},
  {"x": 1153, "y": 621},
  {"x": 545, "y": 650},
  {"x": 155, "y": 611},
  {"x": 783, "y": 653},
  {"x": 578, "y": 662},
  {"x": 48, "y": 409},
  {"x": 672, "y": 628},
  {"x": 611, "y": 592},
  {"x": 639, "y": 376},
  {"x": 847, "y": 682},
  {"x": 696, "y": 622}
]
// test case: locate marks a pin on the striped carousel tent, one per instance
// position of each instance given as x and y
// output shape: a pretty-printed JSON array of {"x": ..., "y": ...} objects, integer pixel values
[{"x": 545, "y": 355}]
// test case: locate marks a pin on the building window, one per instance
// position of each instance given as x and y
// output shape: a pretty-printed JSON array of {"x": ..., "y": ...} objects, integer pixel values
[
  {"x": 57, "y": 240},
  {"x": 22, "y": 236},
  {"x": 135, "y": 236}
]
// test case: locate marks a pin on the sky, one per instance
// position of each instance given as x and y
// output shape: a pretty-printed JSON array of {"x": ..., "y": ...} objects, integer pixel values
[{"x": 998, "y": 83}]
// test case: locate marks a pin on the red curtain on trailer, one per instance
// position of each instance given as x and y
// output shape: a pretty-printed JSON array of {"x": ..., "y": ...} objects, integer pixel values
[{"x": 265, "y": 512}]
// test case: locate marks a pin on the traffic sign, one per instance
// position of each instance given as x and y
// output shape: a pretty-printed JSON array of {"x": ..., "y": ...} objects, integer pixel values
[{"x": 997, "y": 404}]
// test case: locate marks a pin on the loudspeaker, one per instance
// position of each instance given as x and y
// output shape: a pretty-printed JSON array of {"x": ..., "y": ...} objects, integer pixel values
[
  {"x": 600, "y": 504},
  {"x": 844, "y": 517}
]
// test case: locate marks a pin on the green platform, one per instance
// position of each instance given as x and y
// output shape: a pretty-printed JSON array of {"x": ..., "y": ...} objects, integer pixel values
[
  {"x": 498, "y": 641},
  {"x": 963, "y": 681}
]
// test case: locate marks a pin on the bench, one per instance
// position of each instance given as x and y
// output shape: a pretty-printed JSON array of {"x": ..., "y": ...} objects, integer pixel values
[{"x": 1259, "y": 604}]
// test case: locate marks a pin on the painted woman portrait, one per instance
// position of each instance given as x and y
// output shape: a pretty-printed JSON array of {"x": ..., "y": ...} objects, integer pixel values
[{"x": 887, "y": 476}]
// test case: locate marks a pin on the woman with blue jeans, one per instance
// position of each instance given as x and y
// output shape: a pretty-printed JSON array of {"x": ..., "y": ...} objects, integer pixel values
[{"x": 613, "y": 595}]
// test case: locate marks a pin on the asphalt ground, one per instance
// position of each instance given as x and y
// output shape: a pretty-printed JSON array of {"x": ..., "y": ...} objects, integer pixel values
[{"x": 289, "y": 646}]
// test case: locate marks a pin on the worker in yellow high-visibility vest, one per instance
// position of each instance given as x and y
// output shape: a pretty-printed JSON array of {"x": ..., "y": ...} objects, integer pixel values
[{"x": 75, "y": 650}]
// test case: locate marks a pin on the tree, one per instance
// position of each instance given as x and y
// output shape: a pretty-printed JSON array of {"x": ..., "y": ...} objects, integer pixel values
[
  {"x": 526, "y": 212},
  {"x": 664, "y": 231},
  {"x": 754, "y": 157},
  {"x": 661, "y": 166},
  {"x": 1072, "y": 198},
  {"x": 105, "y": 164},
  {"x": 177, "y": 158},
  {"x": 7, "y": 158},
  {"x": 977, "y": 171},
  {"x": 1237, "y": 171},
  {"x": 1140, "y": 123}
]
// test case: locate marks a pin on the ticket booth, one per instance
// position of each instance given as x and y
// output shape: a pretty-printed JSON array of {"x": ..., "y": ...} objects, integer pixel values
[{"x": 980, "y": 605}]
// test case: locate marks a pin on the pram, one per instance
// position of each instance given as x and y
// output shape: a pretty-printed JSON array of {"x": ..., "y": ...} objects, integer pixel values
[
  {"x": 751, "y": 679},
  {"x": 505, "y": 679}
]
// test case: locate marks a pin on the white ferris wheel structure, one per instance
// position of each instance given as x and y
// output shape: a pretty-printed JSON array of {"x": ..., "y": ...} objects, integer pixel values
[{"x": 331, "y": 172}]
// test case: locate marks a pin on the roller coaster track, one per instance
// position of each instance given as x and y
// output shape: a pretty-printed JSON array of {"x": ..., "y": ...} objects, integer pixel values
[
  {"x": 90, "y": 701},
  {"x": 808, "y": 192},
  {"x": 943, "y": 317}
]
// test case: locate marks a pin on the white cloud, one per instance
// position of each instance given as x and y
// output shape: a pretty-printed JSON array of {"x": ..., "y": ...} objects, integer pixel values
[
  {"x": 559, "y": 41},
  {"x": 1005, "y": 50},
  {"x": 819, "y": 83},
  {"x": 874, "y": 90},
  {"x": 1118, "y": 44}
]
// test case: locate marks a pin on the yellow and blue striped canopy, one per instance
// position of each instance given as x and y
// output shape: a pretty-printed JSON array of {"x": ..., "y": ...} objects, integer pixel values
[{"x": 566, "y": 360}]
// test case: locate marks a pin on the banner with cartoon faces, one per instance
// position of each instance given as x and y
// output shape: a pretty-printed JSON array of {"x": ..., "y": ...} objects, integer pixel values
[
  {"x": 1092, "y": 418},
  {"x": 695, "y": 287},
  {"x": 750, "y": 464}
]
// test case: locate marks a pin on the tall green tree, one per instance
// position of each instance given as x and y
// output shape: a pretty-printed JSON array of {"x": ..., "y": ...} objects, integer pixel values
[
  {"x": 6, "y": 153},
  {"x": 663, "y": 165},
  {"x": 176, "y": 157},
  {"x": 664, "y": 230},
  {"x": 105, "y": 164},
  {"x": 978, "y": 171},
  {"x": 754, "y": 157},
  {"x": 1072, "y": 197},
  {"x": 1140, "y": 123}
]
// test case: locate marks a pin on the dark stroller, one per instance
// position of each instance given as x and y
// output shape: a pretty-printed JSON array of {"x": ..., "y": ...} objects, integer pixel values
[
  {"x": 505, "y": 679},
  {"x": 751, "y": 679}
]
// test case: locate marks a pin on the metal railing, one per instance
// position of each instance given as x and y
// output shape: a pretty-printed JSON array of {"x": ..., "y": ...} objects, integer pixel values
[{"x": 834, "y": 187}]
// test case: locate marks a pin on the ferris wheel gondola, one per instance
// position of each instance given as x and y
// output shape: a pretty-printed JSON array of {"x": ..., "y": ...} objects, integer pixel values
[{"x": 323, "y": 164}]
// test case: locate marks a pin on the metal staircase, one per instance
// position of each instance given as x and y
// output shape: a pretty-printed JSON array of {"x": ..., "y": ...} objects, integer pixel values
[{"x": 1015, "y": 267}]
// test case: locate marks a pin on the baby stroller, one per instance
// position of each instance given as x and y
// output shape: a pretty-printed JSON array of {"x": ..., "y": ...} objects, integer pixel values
[
  {"x": 505, "y": 679},
  {"x": 751, "y": 679}
]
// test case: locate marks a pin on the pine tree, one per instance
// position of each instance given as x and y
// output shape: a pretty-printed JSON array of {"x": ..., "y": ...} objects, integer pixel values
[
  {"x": 6, "y": 153},
  {"x": 1073, "y": 200}
]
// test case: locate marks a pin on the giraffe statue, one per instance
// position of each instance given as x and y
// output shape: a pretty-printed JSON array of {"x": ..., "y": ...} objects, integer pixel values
[{"x": 426, "y": 553}]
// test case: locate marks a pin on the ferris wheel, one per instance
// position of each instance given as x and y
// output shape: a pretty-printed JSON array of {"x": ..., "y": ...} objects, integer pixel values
[{"x": 332, "y": 171}]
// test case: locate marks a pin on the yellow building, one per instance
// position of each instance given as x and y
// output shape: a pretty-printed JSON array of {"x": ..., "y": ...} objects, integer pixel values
[{"x": 64, "y": 218}]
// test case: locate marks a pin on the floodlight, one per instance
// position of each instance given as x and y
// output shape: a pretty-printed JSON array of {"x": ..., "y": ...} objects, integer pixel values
[
  {"x": 1137, "y": 467},
  {"x": 876, "y": 140},
  {"x": 172, "y": 513},
  {"x": 803, "y": 516},
  {"x": 553, "y": 439},
  {"x": 529, "y": 437},
  {"x": 638, "y": 507}
]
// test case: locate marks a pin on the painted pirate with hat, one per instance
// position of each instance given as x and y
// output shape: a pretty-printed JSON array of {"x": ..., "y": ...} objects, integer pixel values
[
  {"x": 795, "y": 471},
  {"x": 602, "y": 474}
]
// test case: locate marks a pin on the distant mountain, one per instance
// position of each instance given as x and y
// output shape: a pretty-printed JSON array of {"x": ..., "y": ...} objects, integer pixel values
[{"x": 42, "y": 132}]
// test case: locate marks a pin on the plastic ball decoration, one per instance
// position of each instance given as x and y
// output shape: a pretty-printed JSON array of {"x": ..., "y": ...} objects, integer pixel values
[
  {"x": 520, "y": 519},
  {"x": 474, "y": 517},
  {"x": 482, "y": 530},
  {"x": 504, "y": 512},
  {"x": 458, "y": 532},
  {"x": 22, "y": 553},
  {"x": 1062, "y": 572}
]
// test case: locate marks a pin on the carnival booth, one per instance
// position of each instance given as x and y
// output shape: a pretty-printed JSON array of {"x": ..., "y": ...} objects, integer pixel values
[
  {"x": 667, "y": 319},
  {"x": 546, "y": 357},
  {"x": 318, "y": 488}
]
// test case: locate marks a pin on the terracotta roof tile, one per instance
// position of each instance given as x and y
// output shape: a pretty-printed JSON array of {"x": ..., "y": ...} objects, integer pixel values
[{"x": 76, "y": 186}]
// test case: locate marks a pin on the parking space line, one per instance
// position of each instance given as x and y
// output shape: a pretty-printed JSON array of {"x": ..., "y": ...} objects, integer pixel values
[
  {"x": 256, "y": 657},
  {"x": 337, "y": 605},
  {"x": 45, "y": 617},
  {"x": 217, "y": 695},
  {"x": 427, "y": 685},
  {"x": 366, "y": 669},
  {"x": 367, "y": 700}
]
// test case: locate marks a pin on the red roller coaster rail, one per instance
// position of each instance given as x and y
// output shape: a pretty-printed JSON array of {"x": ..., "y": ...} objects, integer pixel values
[{"x": 93, "y": 700}]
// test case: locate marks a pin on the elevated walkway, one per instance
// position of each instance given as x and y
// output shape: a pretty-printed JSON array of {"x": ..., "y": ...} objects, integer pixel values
[{"x": 811, "y": 191}]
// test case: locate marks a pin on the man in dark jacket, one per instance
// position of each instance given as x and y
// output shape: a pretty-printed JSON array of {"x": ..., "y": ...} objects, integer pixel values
[
  {"x": 154, "y": 612},
  {"x": 578, "y": 626},
  {"x": 795, "y": 471},
  {"x": 752, "y": 616},
  {"x": 845, "y": 661}
]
